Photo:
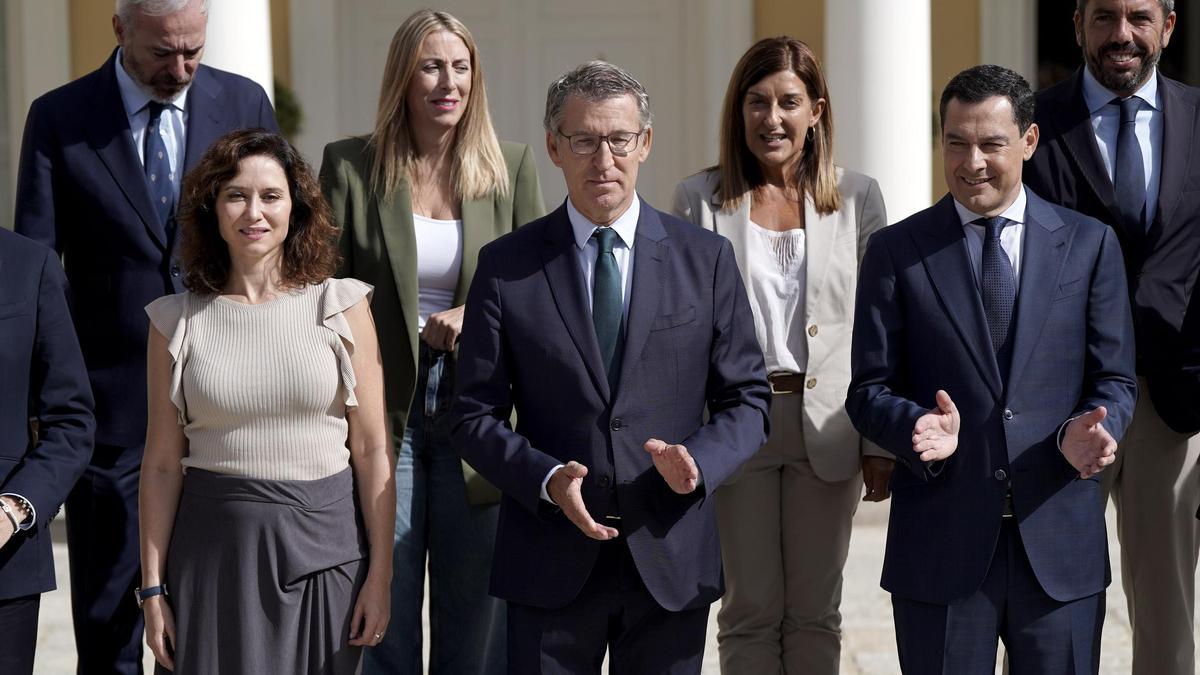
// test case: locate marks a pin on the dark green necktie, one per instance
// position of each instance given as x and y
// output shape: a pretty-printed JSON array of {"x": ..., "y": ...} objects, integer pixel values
[{"x": 606, "y": 303}]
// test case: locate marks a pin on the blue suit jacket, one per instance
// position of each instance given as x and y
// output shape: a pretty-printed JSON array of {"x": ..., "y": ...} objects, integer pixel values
[
  {"x": 44, "y": 378},
  {"x": 919, "y": 326},
  {"x": 528, "y": 343},
  {"x": 82, "y": 191}
]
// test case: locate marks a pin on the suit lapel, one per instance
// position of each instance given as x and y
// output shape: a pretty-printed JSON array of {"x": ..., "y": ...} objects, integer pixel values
[
  {"x": 477, "y": 230},
  {"x": 649, "y": 274},
  {"x": 1042, "y": 256},
  {"x": 943, "y": 250},
  {"x": 113, "y": 142},
  {"x": 820, "y": 233},
  {"x": 1179, "y": 132},
  {"x": 394, "y": 219},
  {"x": 1075, "y": 124},
  {"x": 203, "y": 117},
  {"x": 566, "y": 286}
]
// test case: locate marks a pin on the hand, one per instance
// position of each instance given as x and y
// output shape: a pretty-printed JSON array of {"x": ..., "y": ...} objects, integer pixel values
[
  {"x": 160, "y": 630},
  {"x": 372, "y": 610},
  {"x": 1087, "y": 445},
  {"x": 935, "y": 435},
  {"x": 564, "y": 490},
  {"x": 442, "y": 328},
  {"x": 877, "y": 472},
  {"x": 675, "y": 465}
]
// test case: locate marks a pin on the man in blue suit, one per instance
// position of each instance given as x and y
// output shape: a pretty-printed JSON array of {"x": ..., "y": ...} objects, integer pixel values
[
  {"x": 45, "y": 388},
  {"x": 610, "y": 328},
  {"x": 993, "y": 355},
  {"x": 99, "y": 175}
]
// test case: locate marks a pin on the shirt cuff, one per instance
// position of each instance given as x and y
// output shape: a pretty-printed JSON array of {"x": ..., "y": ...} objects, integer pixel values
[
  {"x": 546, "y": 481},
  {"x": 28, "y": 522}
]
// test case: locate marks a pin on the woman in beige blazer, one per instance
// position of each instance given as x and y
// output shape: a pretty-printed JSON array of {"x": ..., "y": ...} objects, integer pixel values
[
  {"x": 799, "y": 226},
  {"x": 417, "y": 199}
]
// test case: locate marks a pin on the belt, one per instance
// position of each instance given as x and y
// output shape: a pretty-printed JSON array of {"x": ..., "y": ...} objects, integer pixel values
[
  {"x": 786, "y": 383},
  {"x": 1008, "y": 505}
]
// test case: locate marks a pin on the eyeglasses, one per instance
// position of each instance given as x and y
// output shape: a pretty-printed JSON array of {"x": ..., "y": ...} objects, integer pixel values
[{"x": 620, "y": 143}]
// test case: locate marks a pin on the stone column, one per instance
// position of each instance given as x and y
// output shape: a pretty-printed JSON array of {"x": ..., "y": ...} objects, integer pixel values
[
  {"x": 239, "y": 40},
  {"x": 877, "y": 61}
]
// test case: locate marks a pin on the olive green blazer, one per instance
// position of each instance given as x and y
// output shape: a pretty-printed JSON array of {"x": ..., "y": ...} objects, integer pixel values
[{"x": 378, "y": 246}]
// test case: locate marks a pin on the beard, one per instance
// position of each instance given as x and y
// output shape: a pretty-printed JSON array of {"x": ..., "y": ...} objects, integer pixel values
[
  {"x": 1122, "y": 83},
  {"x": 161, "y": 87}
]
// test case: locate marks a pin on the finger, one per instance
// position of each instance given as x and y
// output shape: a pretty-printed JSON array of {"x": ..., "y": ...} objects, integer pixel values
[
  {"x": 356, "y": 622},
  {"x": 1094, "y": 416},
  {"x": 945, "y": 404},
  {"x": 935, "y": 454},
  {"x": 578, "y": 514},
  {"x": 575, "y": 469},
  {"x": 654, "y": 446}
]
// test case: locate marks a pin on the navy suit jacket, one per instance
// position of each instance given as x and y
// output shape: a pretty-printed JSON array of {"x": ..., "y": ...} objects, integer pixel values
[
  {"x": 82, "y": 191},
  {"x": 528, "y": 343},
  {"x": 44, "y": 378},
  {"x": 1162, "y": 267},
  {"x": 919, "y": 326}
]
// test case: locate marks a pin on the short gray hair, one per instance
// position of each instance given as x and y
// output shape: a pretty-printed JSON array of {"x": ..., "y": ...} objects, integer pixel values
[
  {"x": 1168, "y": 6},
  {"x": 127, "y": 10},
  {"x": 594, "y": 81}
]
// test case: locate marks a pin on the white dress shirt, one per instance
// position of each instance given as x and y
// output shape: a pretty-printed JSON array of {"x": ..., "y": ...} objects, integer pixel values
[
  {"x": 173, "y": 128},
  {"x": 1011, "y": 237},
  {"x": 1106, "y": 123},
  {"x": 586, "y": 249}
]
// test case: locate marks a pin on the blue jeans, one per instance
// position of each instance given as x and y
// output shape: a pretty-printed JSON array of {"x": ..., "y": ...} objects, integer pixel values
[{"x": 433, "y": 517}]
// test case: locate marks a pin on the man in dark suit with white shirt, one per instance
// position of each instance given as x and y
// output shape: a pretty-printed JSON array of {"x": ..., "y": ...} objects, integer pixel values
[
  {"x": 1120, "y": 143},
  {"x": 101, "y": 164},
  {"x": 611, "y": 328}
]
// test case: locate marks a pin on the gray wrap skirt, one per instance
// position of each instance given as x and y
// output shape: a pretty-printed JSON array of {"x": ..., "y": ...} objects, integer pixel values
[{"x": 263, "y": 575}]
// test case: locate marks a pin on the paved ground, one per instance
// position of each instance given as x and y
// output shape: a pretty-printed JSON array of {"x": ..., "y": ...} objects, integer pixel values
[{"x": 870, "y": 647}]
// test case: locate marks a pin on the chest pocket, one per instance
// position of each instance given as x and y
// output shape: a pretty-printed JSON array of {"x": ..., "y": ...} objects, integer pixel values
[{"x": 665, "y": 321}]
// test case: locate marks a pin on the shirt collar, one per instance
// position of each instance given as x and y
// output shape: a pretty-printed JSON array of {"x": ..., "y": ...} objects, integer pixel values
[
  {"x": 134, "y": 98},
  {"x": 1096, "y": 96},
  {"x": 625, "y": 225},
  {"x": 1014, "y": 213}
]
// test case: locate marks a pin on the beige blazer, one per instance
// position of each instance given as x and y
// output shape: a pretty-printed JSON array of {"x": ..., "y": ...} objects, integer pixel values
[{"x": 834, "y": 247}]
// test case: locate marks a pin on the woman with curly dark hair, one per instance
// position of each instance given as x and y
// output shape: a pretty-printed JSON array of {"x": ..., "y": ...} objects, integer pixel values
[{"x": 266, "y": 495}]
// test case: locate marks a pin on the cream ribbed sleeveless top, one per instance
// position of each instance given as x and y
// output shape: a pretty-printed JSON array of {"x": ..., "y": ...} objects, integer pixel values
[{"x": 262, "y": 390}]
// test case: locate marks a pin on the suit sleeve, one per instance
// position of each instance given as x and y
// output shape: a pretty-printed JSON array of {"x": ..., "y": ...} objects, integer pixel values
[
  {"x": 482, "y": 432},
  {"x": 35, "y": 209},
  {"x": 336, "y": 189},
  {"x": 61, "y": 400},
  {"x": 528, "y": 203},
  {"x": 1109, "y": 378},
  {"x": 872, "y": 217},
  {"x": 681, "y": 206},
  {"x": 737, "y": 393},
  {"x": 880, "y": 414},
  {"x": 266, "y": 114}
]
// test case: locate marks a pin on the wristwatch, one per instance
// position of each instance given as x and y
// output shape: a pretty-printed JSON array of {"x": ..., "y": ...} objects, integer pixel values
[{"x": 144, "y": 594}]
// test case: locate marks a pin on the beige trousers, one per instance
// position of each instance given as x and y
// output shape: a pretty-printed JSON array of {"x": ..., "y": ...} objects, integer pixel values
[
  {"x": 785, "y": 534},
  {"x": 1155, "y": 485}
]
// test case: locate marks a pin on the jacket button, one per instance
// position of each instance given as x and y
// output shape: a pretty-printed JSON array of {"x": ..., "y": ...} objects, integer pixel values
[
  {"x": 812, "y": 330},
  {"x": 603, "y": 481},
  {"x": 1000, "y": 474},
  {"x": 1008, "y": 414},
  {"x": 615, "y": 424},
  {"x": 811, "y": 384}
]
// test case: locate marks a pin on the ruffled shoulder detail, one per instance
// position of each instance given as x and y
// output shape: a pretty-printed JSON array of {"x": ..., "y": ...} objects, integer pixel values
[
  {"x": 338, "y": 296},
  {"x": 168, "y": 314}
]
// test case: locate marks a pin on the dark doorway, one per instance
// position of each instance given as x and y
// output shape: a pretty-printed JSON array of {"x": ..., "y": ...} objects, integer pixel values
[{"x": 1059, "y": 56}]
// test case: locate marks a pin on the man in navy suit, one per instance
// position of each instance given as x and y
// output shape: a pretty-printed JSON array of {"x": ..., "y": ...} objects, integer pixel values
[
  {"x": 1119, "y": 143},
  {"x": 98, "y": 180},
  {"x": 610, "y": 328},
  {"x": 45, "y": 387},
  {"x": 993, "y": 355}
]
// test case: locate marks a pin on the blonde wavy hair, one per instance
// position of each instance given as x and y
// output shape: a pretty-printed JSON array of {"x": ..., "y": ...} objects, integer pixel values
[{"x": 479, "y": 170}]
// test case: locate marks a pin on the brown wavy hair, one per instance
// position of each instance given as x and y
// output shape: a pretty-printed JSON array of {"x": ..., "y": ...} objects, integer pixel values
[
  {"x": 739, "y": 171},
  {"x": 310, "y": 251}
]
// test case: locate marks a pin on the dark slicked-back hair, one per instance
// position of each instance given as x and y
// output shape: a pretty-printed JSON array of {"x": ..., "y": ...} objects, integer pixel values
[
  {"x": 310, "y": 252},
  {"x": 979, "y": 83},
  {"x": 1168, "y": 6}
]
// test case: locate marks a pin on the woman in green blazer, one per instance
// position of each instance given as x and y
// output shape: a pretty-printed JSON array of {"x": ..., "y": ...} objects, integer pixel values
[{"x": 417, "y": 199}]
